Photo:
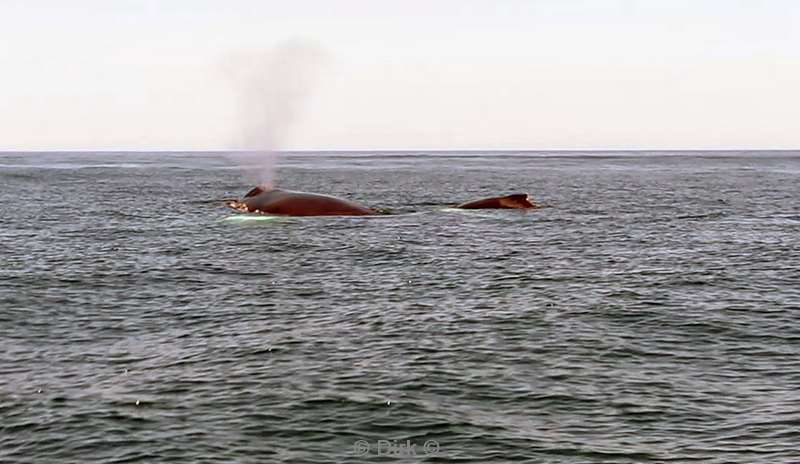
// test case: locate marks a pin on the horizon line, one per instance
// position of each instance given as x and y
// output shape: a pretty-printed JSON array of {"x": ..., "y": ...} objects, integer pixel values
[{"x": 404, "y": 150}]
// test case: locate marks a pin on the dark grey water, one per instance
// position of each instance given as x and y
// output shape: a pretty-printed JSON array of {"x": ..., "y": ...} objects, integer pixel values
[{"x": 651, "y": 315}]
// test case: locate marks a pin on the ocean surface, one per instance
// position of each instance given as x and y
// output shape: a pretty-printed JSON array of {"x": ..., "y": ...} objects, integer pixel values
[{"x": 650, "y": 314}]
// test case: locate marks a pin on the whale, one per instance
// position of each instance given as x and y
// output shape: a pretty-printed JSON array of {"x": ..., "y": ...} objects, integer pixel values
[
  {"x": 281, "y": 202},
  {"x": 274, "y": 201},
  {"x": 513, "y": 201}
]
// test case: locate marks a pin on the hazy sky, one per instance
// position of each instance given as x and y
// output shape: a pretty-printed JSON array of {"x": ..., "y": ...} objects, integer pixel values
[{"x": 539, "y": 74}]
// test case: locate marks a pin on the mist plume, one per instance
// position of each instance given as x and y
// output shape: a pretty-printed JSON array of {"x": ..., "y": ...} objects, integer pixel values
[{"x": 274, "y": 88}]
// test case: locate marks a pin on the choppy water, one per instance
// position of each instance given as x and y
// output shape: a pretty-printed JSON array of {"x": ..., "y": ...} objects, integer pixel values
[{"x": 650, "y": 315}]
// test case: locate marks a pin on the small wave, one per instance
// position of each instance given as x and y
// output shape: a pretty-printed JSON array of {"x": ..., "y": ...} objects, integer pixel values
[{"x": 253, "y": 218}]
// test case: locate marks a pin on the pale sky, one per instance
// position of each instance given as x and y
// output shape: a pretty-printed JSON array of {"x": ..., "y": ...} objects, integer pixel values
[{"x": 410, "y": 74}]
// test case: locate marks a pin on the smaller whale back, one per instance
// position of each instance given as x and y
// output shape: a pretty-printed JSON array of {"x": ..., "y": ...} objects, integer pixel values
[{"x": 513, "y": 201}]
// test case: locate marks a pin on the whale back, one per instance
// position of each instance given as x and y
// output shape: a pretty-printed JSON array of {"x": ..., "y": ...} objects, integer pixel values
[{"x": 291, "y": 203}]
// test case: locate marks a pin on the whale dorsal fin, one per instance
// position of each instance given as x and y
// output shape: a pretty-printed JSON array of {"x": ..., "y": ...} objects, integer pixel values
[{"x": 516, "y": 200}]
